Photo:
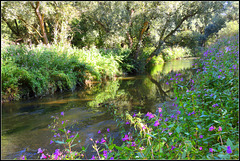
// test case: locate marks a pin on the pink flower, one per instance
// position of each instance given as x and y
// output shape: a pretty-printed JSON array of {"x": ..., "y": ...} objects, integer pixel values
[
  {"x": 68, "y": 131},
  {"x": 211, "y": 128},
  {"x": 156, "y": 123},
  {"x": 43, "y": 156},
  {"x": 210, "y": 150},
  {"x": 220, "y": 128},
  {"x": 51, "y": 141},
  {"x": 40, "y": 150},
  {"x": 159, "y": 109},
  {"x": 200, "y": 148},
  {"x": 125, "y": 138}
]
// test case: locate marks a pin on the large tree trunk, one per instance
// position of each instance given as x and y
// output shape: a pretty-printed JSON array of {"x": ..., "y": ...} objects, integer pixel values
[{"x": 41, "y": 22}]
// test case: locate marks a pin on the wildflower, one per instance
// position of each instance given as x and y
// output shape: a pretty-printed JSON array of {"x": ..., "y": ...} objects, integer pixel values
[
  {"x": 134, "y": 115},
  {"x": 179, "y": 112},
  {"x": 219, "y": 128},
  {"x": 125, "y": 138},
  {"x": 189, "y": 114},
  {"x": 171, "y": 78},
  {"x": 40, "y": 150},
  {"x": 156, "y": 123},
  {"x": 133, "y": 144},
  {"x": 58, "y": 135},
  {"x": 166, "y": 120},
  {"x": 181, "y": 79},
  {"x": 127, "y": 122},
  {"x": 62, "y": 122},
  {"x": 172, "y": 116},
  {"x": 229, "y": 150},
  {"x": 200, "y": 148},
  {"x": 93, "y": 158},
  {"x": 167, "y": 83},
  {"x": 43, "y": 156},
  {"x": 51, "y": 141},
  {"x": 170, "y": 133},
  {"x": 151, "y": 116},
  {"x": 160, "y": 119},
  {"x": 144, "y": 127},
  {"x": 193, "y": 113},
  {"x": 54, "y": 135},
  {"x": 159, "y": 109},
  {"x": 97, "y": 141},
  {"x": 200, "y": 136},
  {"x": 112, "y": 158},
  {"x": 160, "y": 115},
  {"x": 108, "y": 130},
  {"x": 103, "y": 141},
  {"x": 141, "y": 148},
  {"x": 211, "y": 150},
  {"x": 68, "y": 131},
  {"x": 173, "y": 147},
  {"x": 71, "y": 136},
  {"x": 105, "y": 153},
  {"x": 62, "y": 113},
  {"x": 219, "y": 76},
  {"x": 99, "y": 131},
  {"x": 23, "y": 157}
]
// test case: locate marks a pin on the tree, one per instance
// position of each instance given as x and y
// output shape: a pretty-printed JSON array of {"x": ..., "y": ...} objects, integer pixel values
[{"x": 174, "y": 16}]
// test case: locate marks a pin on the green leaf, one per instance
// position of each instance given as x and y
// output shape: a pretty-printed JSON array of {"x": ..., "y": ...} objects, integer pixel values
[
  {"x": 61, "y": 130},
  {"x": 59, "y": 142},
  {"x": 229, "y": 143},
  {"x": 178, "y": 129},
  {"x": 151, "y": 135},
  {"x": 68, "y": 140},
  {"x": 127, "y": 148},
  {"x": 184, "y": 154},
  {"x": 117, "y": 147}
]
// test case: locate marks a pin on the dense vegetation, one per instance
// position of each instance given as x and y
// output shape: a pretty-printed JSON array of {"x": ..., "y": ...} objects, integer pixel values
[
  {"x": 52, "y": 46},
  {"x": 204, "y": 126},
  {"x": 55, "y": 46}
]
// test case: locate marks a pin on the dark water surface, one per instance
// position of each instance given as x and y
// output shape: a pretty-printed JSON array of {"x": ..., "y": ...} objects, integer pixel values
[{"x": 25, "y": 123}]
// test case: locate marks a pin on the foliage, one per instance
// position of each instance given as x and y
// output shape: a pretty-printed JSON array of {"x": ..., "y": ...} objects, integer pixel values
[
  {"x": 44, "y": 69},
  {"x": 175, "y": 52}
]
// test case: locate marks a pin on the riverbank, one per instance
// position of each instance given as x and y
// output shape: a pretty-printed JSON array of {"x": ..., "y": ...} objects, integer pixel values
[{"x": 42, "y": 70}]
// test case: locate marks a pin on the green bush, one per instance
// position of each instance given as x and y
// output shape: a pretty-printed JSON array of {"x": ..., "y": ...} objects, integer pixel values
[{"x": 44, "y": 69}]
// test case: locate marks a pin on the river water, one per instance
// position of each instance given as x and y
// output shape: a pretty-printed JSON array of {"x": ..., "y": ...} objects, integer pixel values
[{"x": 25, "y": 123}]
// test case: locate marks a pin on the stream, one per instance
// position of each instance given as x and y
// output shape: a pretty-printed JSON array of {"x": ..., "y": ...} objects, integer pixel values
[{"x": 25, "y": 123}]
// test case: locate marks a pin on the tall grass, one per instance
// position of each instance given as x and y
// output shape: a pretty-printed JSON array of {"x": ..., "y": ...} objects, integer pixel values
[{"x": 44, "y": 69}]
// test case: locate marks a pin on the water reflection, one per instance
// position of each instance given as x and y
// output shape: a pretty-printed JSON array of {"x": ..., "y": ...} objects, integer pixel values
[{"x": 25, "y": 123}]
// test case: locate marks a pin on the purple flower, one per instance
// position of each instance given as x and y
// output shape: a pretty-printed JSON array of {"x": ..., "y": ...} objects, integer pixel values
[
  {"x": 181, "y": 79},
  {"x": 211, "y": 128},
  {"x": 99, "y": 131},
  {"x": 210, "y": 150},
  {"x": 23, "y": 157},
  {"x": 219, "y": 128},
  {"x": 229, "y": 150},
  {"x": 156, "y": 123},
  {"x": 133, "y": 144},
  {"x": 172, "y": 116},
  {"x": 151, "y": 116},
  {"x": 166, "y": 120},
  {"x": 200, "y": 136},
  {"x": 134, "y": 115},
  {"x": 171, "y": 78},
  {"x": 93, "y": 158},
  {"x": 159, "y": 109},
  {"x": 105, "y": 153},
  {"x": 97, "y": 141},
  {"x": 43, "y": 156},
  {"x": 68, "y": 131},
  {"x": 71, "y": 136},
  {"x": 125, "y": 138},
  {"x": 167, "y": 83},
  {"x": 179, "y": 112},
  {"x": 103, "y": 141},
  {"x": 173, "y": 147},
  {"x": 112, "y": 158},
  {"x": 200, "y": 148},
  {"x": 189, "y": 114},
  {"x": 51, "y": 141},
  {"x": 193, "y": 113},
  {"x": 62, "y": 122},
  {"x": 160, "y": 115},
  {"x": 108, "y": 130},
  {"x": 127, "y": 122},
  {"x": 62, "y": 113},
  {"x": 40, "y": 150}
]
